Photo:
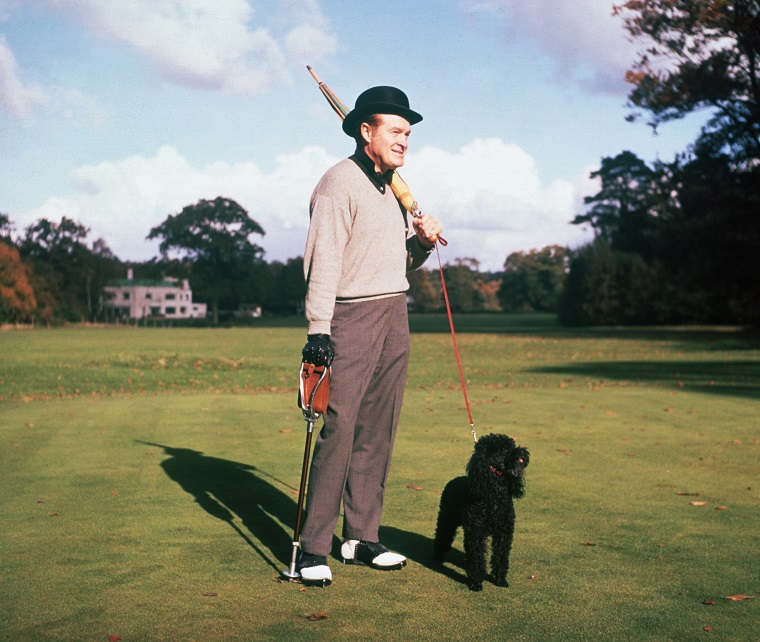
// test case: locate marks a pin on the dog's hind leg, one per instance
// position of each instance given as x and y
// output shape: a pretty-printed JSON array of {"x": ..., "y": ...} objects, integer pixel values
[
  {"x": 445, "y": 532},
  {"x": 449, "y": 516}
]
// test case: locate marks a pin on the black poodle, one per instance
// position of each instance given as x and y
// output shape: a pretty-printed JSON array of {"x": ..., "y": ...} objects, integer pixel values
[{"x": 481, "y": 502}]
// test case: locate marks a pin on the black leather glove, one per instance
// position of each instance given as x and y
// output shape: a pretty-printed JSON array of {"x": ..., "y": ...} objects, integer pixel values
[{"x": 319, "y": 350}]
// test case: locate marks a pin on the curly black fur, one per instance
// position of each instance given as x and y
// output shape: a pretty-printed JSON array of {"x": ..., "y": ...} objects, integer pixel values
[{"x": 481, "y": 502}]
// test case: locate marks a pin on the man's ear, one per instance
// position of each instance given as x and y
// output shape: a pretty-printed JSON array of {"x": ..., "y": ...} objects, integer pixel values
[{"x": 365, "y": 129}]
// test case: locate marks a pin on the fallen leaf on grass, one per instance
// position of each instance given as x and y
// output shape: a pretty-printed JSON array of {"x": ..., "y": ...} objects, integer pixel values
[
  {"x": 589, "y": 544},
  {"x": 739, "y": 598},
  {"x": 114, "y": 638},
  {"x": 567, "y": 451},
  {"x": 721, "y": 508},
  {"x": 709, "y": 602},
  {"x": 413, "y": 487},
  {"x": 707, "y": 628},
  {"x": 209, "y": 593},
  {"x": 695, "y": 503},
  {"x": 286, "y": 430},
  {"x": 314, "y": 617}
]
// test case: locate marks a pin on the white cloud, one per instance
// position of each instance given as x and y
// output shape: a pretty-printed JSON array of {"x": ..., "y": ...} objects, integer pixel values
[
  {"x": 491, "y": 201},
  {"x": 216, "y": 44},
  {"x": 122, "y": 200},
  {"x": 488, "y": 196},
  {"x": 16, "y": 98},
  {"x": 585, "y": 42},
  {"x": 22, "y": 100}
]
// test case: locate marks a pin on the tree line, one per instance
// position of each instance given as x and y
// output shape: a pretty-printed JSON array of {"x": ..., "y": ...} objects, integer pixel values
[
  {"x": 678, "y": 242},
  {"x": 675, "y": 241},
  {"x": 51, "y": 273}
]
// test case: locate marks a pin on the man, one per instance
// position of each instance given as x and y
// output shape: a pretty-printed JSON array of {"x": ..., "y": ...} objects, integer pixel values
[{"x": 359, "y": 248}]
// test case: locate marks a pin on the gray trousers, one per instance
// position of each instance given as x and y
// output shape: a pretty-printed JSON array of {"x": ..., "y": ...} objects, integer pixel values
[{"x": 352, "y": 454}]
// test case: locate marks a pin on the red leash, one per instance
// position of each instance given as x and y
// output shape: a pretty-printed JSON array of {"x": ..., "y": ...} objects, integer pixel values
[{"x": 456, "y": 347}]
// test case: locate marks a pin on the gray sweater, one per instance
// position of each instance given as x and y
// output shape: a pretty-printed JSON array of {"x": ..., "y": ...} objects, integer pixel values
[{"x": 359, "y": 246}]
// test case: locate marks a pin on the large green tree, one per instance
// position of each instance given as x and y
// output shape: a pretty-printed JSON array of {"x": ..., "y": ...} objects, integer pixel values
[
  {"x": 425, "y": 292},
  {"x": 462, "y": 285},
  {"x": 699, "y": 54},
  {"x": 63, "y": 269},
  {"x": 533, "y": 281},
  {"x": 213, "y": 236},
  {"x": 631, "y": 205}
]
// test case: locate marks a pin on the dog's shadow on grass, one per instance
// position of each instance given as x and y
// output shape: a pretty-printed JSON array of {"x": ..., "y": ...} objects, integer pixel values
[
  {"x": 419, "y": 549},
  {"x": 228, "y": 489}
]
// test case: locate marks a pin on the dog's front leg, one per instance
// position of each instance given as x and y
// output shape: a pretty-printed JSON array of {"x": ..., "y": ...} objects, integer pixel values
[
  {"x": 475, "y": 550},
  {"x": 501, "y": 545}
]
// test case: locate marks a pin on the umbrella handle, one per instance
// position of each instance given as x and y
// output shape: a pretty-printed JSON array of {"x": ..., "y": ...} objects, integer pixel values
[{"x": 404, "y": 196}]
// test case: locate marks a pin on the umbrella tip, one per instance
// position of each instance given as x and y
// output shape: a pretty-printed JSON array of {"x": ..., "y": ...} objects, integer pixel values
[{"x": 308, "y": 67}]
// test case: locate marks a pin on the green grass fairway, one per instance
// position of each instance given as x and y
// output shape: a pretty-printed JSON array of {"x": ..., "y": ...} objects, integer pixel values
[{"x": 150, "y": 476}]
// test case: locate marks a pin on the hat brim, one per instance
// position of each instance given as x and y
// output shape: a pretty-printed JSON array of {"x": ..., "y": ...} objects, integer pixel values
[{"x": 352, "y": 120}]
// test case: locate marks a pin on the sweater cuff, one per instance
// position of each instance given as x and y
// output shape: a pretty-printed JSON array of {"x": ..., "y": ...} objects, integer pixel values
[{"x": 319, "y": 327}]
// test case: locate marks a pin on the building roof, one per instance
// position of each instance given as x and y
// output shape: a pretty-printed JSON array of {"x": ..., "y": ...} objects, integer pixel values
[{"x": 150, "y": 283}]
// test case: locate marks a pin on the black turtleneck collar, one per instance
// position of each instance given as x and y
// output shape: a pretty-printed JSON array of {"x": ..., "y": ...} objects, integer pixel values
[{"x": 379, "y": 179}]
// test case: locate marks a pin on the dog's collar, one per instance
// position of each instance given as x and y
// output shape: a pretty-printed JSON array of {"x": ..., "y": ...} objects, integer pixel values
[{"x": 496, "y": 470}]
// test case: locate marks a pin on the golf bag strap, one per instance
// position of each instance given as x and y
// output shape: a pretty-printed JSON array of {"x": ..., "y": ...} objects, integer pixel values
[{"x": 314, "y": 388}]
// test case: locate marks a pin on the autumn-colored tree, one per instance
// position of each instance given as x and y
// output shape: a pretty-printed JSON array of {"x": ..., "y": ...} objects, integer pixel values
[
  {"x": 699, "y": 54},
  {"x": 17, "y": 302}
]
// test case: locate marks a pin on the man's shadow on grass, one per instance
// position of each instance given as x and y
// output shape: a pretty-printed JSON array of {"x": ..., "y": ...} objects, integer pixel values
[{"x": 228, "y": 489}]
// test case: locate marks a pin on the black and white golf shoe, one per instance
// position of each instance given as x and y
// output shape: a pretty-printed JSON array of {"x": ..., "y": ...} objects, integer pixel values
[
  {"x": 314, "y": 570},
  {"x": 371, "y": 554}
]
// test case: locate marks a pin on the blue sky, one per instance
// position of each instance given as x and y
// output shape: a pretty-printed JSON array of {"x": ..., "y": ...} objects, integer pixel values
[{"x": 117, "y": 114}]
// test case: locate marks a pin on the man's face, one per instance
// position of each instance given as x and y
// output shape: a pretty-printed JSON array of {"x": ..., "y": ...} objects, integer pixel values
[{"x": 387, "y": 141}]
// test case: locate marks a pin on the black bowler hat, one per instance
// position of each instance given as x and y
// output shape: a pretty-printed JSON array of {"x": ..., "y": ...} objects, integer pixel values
[{"x": 379, "y": 100}]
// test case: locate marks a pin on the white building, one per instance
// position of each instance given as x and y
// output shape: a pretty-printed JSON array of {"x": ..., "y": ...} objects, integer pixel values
[{"x": 132, "y": 298}]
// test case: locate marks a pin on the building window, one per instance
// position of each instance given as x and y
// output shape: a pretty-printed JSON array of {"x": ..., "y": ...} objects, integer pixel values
[
  {"x": 170, "y": 297},
  {"x": 126, "y": 296},
  {"x": 171, "y": 310},
  {"x": 149, "y": 295}
]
